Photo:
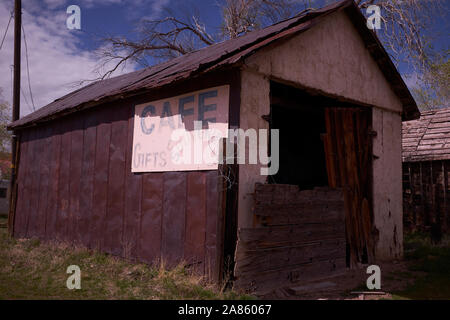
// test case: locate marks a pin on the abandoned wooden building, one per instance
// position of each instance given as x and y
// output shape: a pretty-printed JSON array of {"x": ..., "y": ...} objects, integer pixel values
[
  {"x": 426, "y": 172},
  {"x": 322, "y": 78}
]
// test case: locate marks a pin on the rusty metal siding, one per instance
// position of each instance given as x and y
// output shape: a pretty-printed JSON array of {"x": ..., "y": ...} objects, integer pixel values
[
  {"x": 76, "y": 163},
  {"x": 116, "y": 183},
  {"x": 212, "y": 225},
  {"x": 194, "y": 247},
  {"x": 52, "y": 207},
  {"x": 21, "y": 198},
  {"x": 101, "y": 179},
  {"x": 27, "y": 163},
  {"x": 63, "y": 219},
  {"x": 87, "y": 179},
  {"x": 133, "y": 205},
  {"x": 151, "y": 216},
  {"x": 44, "y": 183},
  {"x": 75, "y": 184},
  {"x": 173, "y": 218},
  {"x": 33, "y": 220}
]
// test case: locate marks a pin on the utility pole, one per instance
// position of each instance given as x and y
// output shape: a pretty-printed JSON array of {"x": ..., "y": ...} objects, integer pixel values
[{"x": 15, "y": 109}]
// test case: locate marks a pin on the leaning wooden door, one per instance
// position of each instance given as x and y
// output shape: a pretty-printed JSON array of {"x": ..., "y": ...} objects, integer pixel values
[{"x": 348, "y": 149}]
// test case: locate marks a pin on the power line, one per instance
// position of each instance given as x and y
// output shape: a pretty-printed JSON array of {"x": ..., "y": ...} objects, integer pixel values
[
  {"x": 6, "y": 31},
  {"x": 26, "y": 100},
  {"x": 28, "y": 68},
  {"x": 12, "y": 81}
]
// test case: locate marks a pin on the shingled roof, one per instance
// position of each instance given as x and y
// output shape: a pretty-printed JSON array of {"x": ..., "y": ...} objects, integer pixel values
[
  {"x": 427, "y": 138},
  {"x": 221, "y": 55}
]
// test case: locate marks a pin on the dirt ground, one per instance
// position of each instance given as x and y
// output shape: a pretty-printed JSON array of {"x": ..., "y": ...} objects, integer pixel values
[
  {"x": 395, "y": 277},
  {"x": 422, "y": 274}
]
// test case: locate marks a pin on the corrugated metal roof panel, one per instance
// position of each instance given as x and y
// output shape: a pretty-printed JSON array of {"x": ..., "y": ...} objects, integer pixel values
[{"x": 205, "y": 60}]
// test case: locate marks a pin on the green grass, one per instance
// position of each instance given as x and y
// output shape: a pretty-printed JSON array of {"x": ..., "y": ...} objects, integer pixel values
[
  {"x": 30, "y": 269},
  {"x": 430, "y": 260}
]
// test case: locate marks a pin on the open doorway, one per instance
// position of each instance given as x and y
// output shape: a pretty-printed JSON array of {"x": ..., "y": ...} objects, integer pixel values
[
  {"x": 301, "y": 124},
  {"x": 328, "y": 143}
]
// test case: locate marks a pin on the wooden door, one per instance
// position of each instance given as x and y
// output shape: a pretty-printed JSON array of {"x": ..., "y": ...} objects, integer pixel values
[{"x": 348, "y": 149}]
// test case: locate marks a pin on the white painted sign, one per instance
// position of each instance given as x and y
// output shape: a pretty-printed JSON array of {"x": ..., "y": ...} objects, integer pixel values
[{"x": 180, "y": 133}]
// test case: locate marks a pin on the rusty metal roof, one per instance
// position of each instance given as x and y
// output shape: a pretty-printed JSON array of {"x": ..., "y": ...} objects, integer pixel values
[
  {"x": 427, "y": 138},
  {"x": 227, "y": 53}
]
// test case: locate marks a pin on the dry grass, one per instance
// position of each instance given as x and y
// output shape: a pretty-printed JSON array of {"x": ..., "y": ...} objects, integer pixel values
[{"x": 30, "y": 269}]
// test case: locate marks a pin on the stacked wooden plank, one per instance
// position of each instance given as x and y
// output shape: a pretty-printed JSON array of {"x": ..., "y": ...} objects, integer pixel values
[{"x": 298, "y": 236}]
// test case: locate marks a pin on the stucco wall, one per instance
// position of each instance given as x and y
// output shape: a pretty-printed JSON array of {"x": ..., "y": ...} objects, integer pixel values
[
  {"x": 331, "y": 57},
  {"x": 387, "y": 184},
  {"x": 255, "y": 102}
]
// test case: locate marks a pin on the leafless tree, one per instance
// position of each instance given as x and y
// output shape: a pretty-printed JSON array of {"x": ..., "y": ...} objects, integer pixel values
[
  {"x": 160, "y": 39},
  {"x": 405, "y": 30},
  {"x": 242, "y": 16},
  {"x": 171, "y": 36},
  {"x": 5, "y": 118}
]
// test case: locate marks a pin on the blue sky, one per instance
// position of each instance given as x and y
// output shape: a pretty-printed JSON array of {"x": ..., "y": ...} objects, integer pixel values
[
  {"x": 59, "y": 58},
  {"x": 122, "y": 18}
]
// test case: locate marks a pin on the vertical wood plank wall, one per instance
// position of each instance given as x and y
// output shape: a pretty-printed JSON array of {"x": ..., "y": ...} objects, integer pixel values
[
  {"x": 75, "y": 184},
  {"x": 348, "y": 149},
  {"x": 426, "y": 195}
]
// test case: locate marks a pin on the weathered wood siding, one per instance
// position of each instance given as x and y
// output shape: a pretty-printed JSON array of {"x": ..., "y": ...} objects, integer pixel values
[
  {"x": 426, "y": 171},
  {"x": 348, "y": 148},
  {"x": 426, "y": 195},
  {"x": 299, "y": 236}
]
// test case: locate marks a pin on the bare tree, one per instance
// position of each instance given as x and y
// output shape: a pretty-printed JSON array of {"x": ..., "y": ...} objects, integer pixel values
[
  {"x": 5, "y": 118},
  {"x": 181, "y": 32},
  {"x": 433, "y": 91},
  {"x": 405, "y": 26},
  {"x": 160, "y": 40},
  {"x": 242, "y": 16},
  {"x": 404, "y": 32}
]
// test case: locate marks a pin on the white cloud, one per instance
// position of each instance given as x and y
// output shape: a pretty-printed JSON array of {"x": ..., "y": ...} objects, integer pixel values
[
  {"x": 55, "y": 60},
  {"x": 158, "y": 6},
  {"x": 52, "y": 4}
]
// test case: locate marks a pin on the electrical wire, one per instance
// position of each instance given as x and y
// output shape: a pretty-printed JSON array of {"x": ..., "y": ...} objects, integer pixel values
[
  {"x": 28, "y": 68},
  {"x": 12, "y": 81},
  {"x": 6, "y": 31},
  {"x": 26, "y": 100}
]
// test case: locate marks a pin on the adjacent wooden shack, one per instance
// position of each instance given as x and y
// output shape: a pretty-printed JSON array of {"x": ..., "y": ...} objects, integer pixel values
[
  {"x": 426, "y": 171},
  {"x": 322, "y": 78}
]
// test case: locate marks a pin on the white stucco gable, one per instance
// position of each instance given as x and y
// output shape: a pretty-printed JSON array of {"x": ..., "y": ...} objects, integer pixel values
[{"x": 330, "y": 57}]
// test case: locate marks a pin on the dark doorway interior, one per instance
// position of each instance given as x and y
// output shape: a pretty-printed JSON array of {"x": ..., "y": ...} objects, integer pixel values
[{"x": 301, "y": 123}]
